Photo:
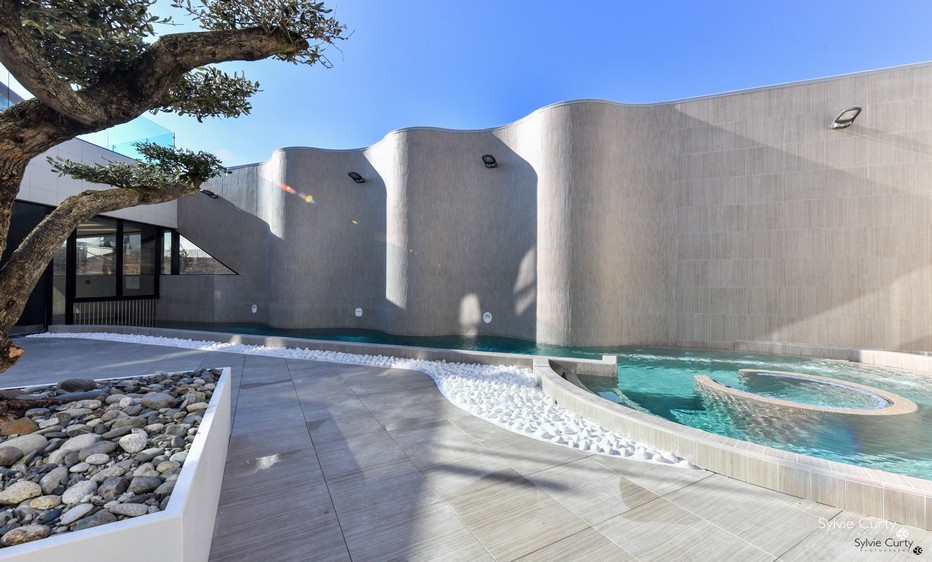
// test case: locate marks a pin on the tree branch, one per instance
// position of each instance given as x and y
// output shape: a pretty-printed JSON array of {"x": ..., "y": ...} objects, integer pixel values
[
  {"x": 129, "y": 94},
  {"x": 19, "y": 275},
  {"x": 172, "y": 56},
  {"x": 20, "y": 54},
  {"x": 164, "y": 62}
]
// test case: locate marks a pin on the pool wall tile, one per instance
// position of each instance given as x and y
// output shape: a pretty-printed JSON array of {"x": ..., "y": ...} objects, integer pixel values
[
  {"x": 777, "y": 476},
  {"x": 923, "y": 486},
  {"x": 666, "y": 440},
  {"x": 794, "y": 481},
  {"x": 928, "y": 502},
  {"x": 764, "y": 473},
  {"x": 904, "y": 506},
  {"x": 685, "y": 446},
  {"x": 864, "y": 498},
  {"x": 827, "y": 489}
]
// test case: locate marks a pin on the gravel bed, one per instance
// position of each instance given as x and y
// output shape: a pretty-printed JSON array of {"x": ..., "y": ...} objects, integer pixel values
[{"x": 86, "y": 453}]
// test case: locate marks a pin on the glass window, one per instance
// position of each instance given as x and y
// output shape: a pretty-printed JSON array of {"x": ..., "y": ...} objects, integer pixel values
[
  {"x": 166, "y": 267},
  {"x": 96, "y": 259},
  {"x": 138, "y": 259},
  {"x": 196, "y": 261},
  {"x": 59, "y": 283}
]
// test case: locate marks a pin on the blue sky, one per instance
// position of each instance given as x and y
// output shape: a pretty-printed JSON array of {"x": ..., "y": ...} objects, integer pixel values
[{"x": 484, "y": 63}]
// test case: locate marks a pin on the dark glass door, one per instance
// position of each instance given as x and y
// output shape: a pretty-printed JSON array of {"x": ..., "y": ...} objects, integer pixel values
[{"x": 37, "y": 314}]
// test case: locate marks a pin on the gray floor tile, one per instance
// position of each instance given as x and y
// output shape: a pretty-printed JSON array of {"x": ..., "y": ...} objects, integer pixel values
[
  {"x": 326, "y": 430},
  {"x": 479, "y": 429},
  {"x": 659, "y": 479},
  {"x": 469, "y": 474},
  {"x": 429, "y": 533},
  {"x": 514, "y": 518},
  {"x": 399, "y": 486},
  {"x": 661, "y": 530},
  {"x": 257, "y": 533},
  {"x": 358, "y": 453},
  {"x": 588, "y": 545},
  {"x": 761, "y": 517},
  {"x": 590, "y": 490},
  {"x": 528, "y": 455}
]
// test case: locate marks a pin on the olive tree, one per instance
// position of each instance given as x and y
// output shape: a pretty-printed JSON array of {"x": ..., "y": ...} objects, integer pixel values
[{"x": 92, "y": 64}]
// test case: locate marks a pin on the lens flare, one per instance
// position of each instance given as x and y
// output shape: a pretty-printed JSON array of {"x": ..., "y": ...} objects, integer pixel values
[
  {"x": 288, "y": 189},
  {"x": 355, "y": 222}
]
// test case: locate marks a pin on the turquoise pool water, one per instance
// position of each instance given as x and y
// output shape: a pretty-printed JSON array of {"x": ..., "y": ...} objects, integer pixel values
[{"x": 660, "y": 381}]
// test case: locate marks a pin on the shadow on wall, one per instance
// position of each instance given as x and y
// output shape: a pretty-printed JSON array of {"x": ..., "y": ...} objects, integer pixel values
[
  {"x": 461, "y": 236},
  {"x": 433, "y": 242},
  {"x": 328, "y": 257},
  {"x": 236, "y": 237}
]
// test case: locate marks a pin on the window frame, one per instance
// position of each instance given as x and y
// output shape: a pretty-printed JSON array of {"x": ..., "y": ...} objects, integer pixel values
[{"x": 71, "y": 268}]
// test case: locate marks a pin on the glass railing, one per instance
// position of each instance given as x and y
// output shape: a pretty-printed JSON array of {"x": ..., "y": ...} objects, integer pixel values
[{"x": 122, "y": 138}]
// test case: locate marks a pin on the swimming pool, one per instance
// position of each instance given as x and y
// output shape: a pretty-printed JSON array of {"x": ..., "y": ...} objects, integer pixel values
[{"x": 661, "y": 381}]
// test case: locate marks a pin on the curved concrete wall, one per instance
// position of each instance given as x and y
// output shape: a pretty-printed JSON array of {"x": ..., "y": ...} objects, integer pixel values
[
  {"x": 606, "y": 244},
  {"x": 449, "y": 218},
  {"x": 735, "y": 217}
]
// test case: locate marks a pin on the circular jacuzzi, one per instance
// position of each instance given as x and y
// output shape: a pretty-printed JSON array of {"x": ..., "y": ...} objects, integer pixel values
[{"x": 810, "y": 393}]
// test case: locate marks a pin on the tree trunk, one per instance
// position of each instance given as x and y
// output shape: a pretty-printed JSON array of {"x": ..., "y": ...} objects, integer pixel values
[
  {"x": 11, "y": 176},
  {"x": 27, "y": 130},
  {"x": 20, "y": 274}
]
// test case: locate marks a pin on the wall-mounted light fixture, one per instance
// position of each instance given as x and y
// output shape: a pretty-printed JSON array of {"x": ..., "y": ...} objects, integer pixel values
[
  {"x": 210, "y": 194},
  {"x": 846, "y": 118},
  {"x": 489, "y": 161},
  {"x": 356, "y": 177}
]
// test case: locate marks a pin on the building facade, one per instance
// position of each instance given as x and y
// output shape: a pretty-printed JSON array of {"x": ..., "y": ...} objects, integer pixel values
[{"x": 742, "y": 216}]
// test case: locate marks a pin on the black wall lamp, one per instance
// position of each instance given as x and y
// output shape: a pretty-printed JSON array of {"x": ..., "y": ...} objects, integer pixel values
[
  {"x": 489, "y": 161},
  {"x": 846, "y": 118},
  {"x": 210, "y": 194},
  {"x": 356, "y": 177}
]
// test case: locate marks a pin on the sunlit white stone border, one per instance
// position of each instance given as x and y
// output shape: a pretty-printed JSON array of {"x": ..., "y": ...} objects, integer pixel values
[{"x": 507, "y": 396}]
